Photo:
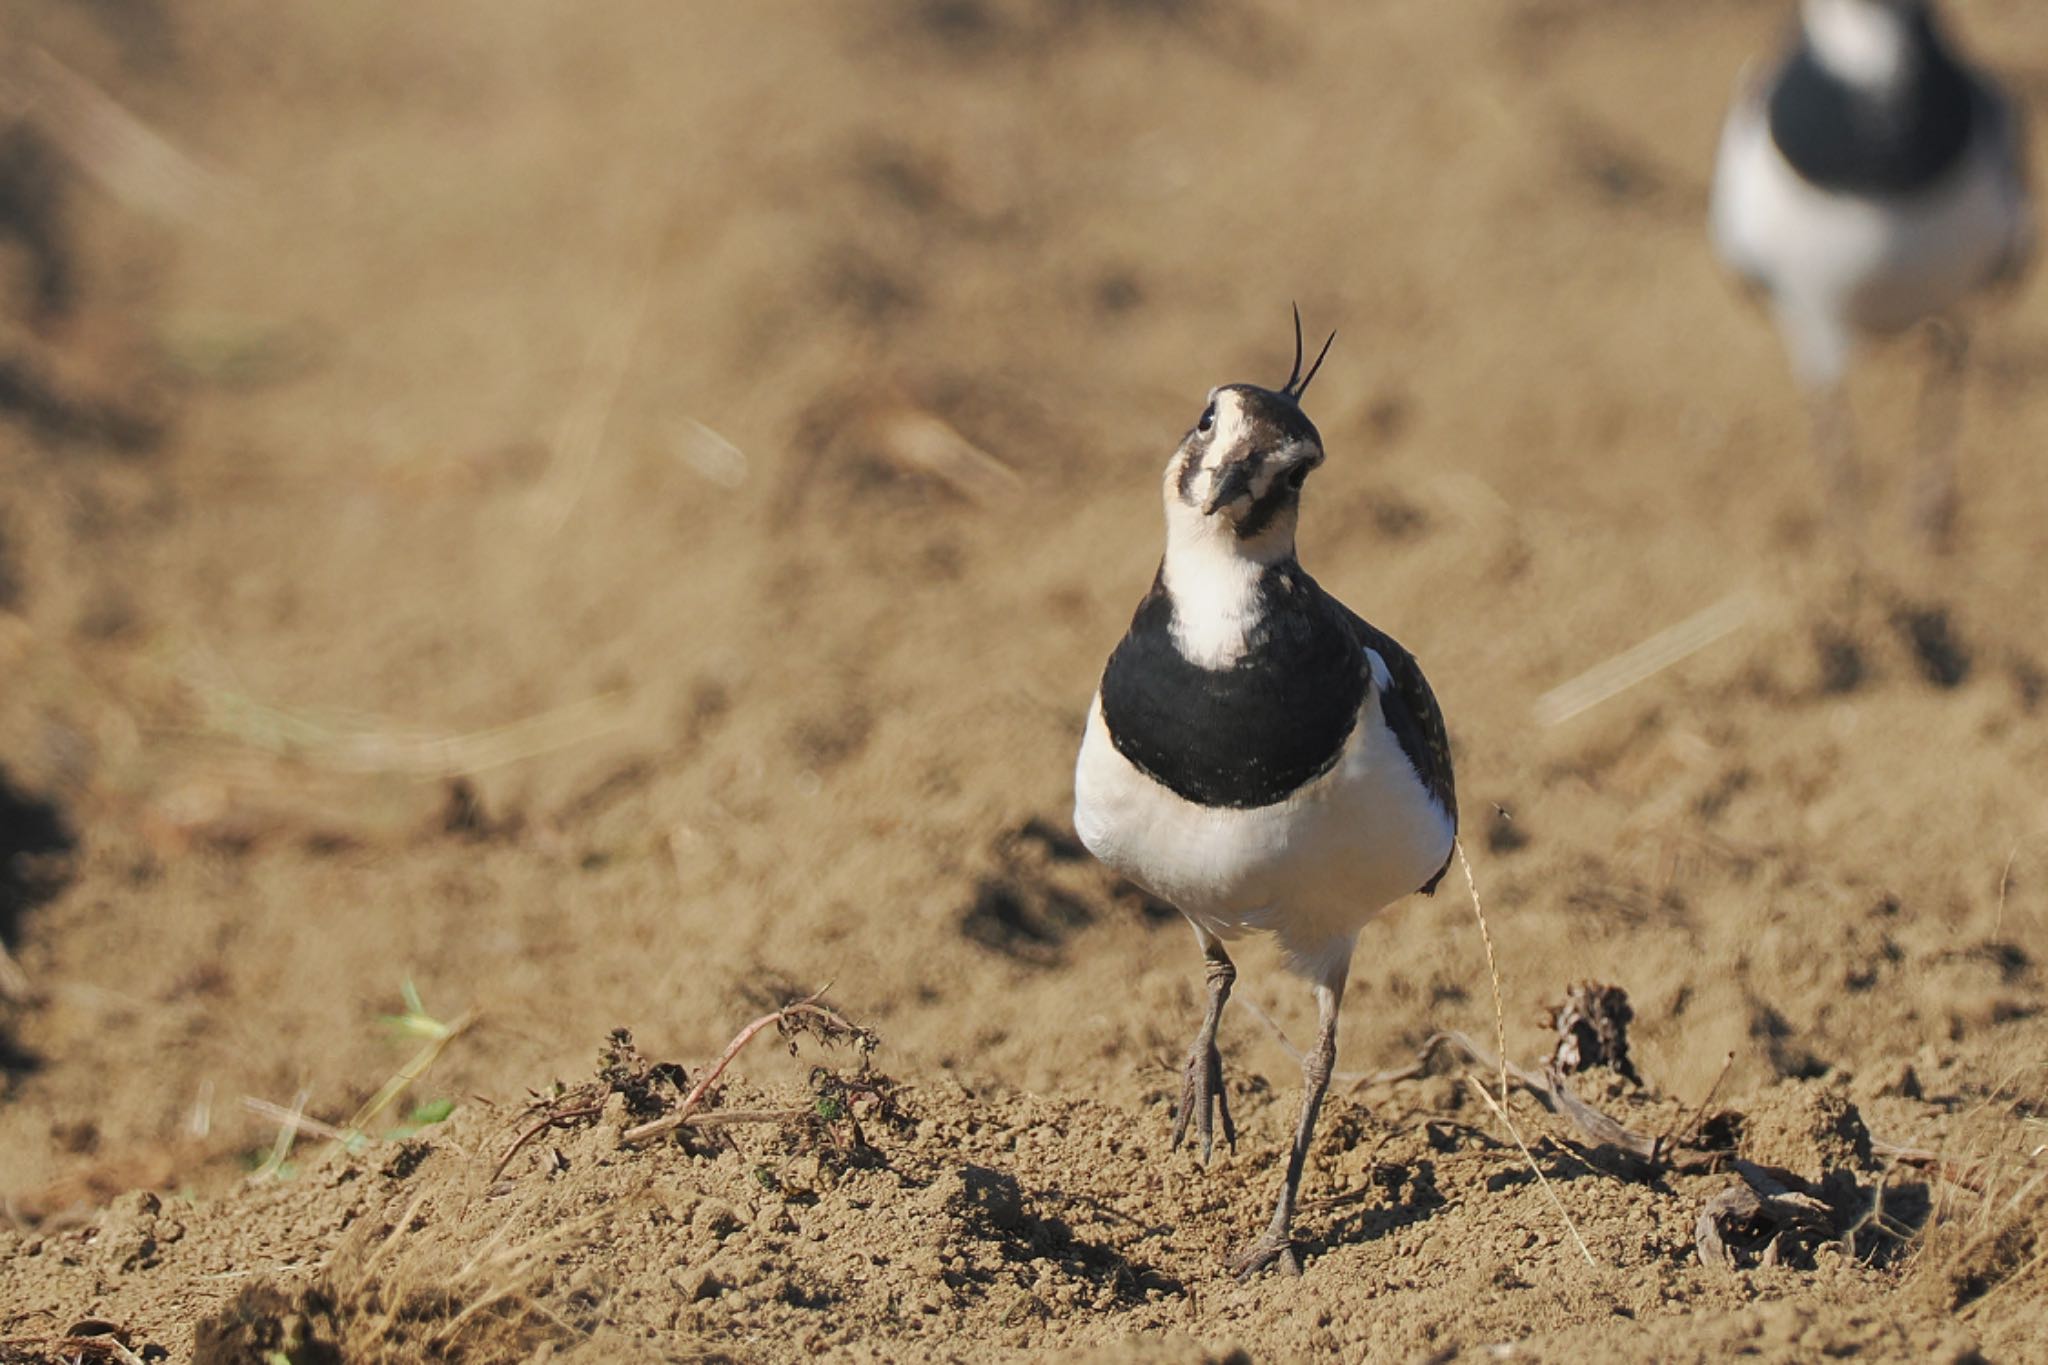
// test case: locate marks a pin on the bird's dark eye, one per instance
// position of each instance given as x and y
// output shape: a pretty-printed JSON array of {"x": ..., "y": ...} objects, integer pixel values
[{"x": 1208, "y": 418}]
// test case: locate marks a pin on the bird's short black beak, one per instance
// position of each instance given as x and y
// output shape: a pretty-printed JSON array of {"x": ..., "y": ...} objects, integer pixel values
[{"x": 1234, "y": 482}]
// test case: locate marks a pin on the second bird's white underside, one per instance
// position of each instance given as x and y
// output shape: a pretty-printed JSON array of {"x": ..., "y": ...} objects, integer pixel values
[
  {"x": 1311, "y": 870},
  {"x": 1837, "y": 264}
]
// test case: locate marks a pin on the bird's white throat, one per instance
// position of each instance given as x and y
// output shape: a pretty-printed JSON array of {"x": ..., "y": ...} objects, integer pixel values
[
  {"x": 1865, "y": 42},
  {"x": 1213, "y": 577}
]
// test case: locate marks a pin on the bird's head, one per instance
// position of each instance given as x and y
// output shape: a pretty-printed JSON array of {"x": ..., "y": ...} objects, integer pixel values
[
  {"x": 1868, "y": 43},
  {"x": 1238, "y": 473}
]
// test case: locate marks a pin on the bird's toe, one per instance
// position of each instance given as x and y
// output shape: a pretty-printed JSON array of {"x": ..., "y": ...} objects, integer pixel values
[
  {"x": 1268, "y": 1253},
  {"x": 1203, "y": 1100}
]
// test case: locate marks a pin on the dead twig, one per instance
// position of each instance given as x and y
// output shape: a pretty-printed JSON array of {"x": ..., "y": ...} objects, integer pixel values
[
  {"x": 1688, "y": 1131},
  {"x": 552, "y": 1119},
  {"x": 721, "y": 1117},
  {"x": 806, "y": 1008},
  {"x": 1551, "y": 1091},
  {"x": 624, "y": 1073},
  {"x": 370, "y": 747},
  {"x": 717, "y": 1119},
  {"x": 440, "y": 1036}
]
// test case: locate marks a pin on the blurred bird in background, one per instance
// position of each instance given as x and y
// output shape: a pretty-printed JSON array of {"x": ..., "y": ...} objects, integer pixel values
[{"x": 1871, "y": 180}]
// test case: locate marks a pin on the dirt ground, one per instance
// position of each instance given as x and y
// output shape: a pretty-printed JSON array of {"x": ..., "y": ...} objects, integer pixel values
[{"x": 609, "y": 518}]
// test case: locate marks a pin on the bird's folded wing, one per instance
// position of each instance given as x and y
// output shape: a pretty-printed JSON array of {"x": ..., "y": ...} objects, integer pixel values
[{"x": 1416, "y": 719}]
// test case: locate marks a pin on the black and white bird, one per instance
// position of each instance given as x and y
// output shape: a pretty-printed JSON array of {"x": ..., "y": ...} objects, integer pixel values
[
  {"x": 1869, "y": 180},
  {"x": 1258, "y": 755}
]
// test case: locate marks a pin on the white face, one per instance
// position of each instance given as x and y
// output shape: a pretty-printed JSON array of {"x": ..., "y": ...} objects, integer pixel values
[
  {"x": 1865, "y": 42},
  {"x": 1243, "y": 446}
]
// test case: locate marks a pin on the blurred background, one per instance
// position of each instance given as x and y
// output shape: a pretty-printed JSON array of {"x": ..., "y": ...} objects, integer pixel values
[{"x": 612, "y": 513}]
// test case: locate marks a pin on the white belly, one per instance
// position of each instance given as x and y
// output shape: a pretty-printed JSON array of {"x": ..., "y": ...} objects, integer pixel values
[
  {"x": 1311, "y": 869},
  {"x": 1835, "y": 264}
]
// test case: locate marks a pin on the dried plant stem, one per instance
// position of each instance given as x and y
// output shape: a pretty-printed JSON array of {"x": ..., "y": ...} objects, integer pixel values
[
  {"x": 2005, "y": 882},
  {"x": 720, "y": 1119},
  {"x": 1500, "y": 1037},
  {"x": 1644, "y": 660},
  {"x": 287, "y": 1135},
  {"x": 410, "y": 1072},
  {"x": 292, "y": 1119},
  {"x": 668, "y": 1123},
  {"x": 1686, "y": 1131},
  {"x": 548, "y": 1120}
]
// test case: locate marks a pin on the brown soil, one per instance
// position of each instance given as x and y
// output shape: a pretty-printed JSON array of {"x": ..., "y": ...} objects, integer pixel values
[{"x": 613, "y": 518}]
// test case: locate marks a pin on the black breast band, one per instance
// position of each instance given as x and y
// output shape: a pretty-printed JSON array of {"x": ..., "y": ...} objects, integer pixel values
[
  {"x": 1874, "y": 142},
  {"x": 1250, "y": 734}
]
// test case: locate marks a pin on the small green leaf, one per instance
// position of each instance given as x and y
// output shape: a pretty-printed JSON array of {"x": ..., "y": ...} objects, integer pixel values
[{"x": 432, "y": 1111}]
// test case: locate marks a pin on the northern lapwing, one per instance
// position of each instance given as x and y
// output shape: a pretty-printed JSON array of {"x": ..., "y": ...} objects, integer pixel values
[
  {"x": 1868, "y": 180},
  {"x": 1257, "y": 754}
]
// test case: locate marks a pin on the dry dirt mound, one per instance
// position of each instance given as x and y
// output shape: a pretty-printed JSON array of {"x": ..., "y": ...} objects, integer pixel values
[{"x": 851, "y": 1215}]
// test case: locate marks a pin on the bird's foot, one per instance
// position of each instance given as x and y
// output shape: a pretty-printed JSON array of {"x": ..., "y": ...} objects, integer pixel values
[
  {"x": 1271, "y": 1252},
  {"x": 1202, "y": 1098}
]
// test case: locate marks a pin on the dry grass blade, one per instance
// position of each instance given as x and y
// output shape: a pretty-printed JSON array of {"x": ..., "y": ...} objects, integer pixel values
[
  {"x": 402, "y": 1079},
  {"x": 580, "y": 438},
  {"x": 923, "y": 442},
  {"x": 131, "y": 160},
  {"x": 292, "y": 1119},
  {"x": 1644, "y": 660},
  {"x": 2005, "y": 880},
  {"x": 367, "y": 748},
  {"x": 287, "y": 1135},
  {"x": 1500, "y": 1034}
]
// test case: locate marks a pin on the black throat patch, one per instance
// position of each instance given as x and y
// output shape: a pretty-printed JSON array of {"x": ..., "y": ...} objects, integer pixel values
[
  {"x": 1250, "y": 734},
  {"x": 1841, "y": 137}
]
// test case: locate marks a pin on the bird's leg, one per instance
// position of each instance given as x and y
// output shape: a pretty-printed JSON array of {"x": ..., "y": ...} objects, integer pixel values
[
  {"x": 1940, "y": 416},
  {"x": 1276, "y": 1246},
  {"x": 1201, "y": 1083},
  {"x": 1834, "y": 450}
]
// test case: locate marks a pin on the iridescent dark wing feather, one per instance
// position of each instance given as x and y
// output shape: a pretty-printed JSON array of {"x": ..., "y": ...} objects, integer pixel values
[{"x": 1415, "y": 718}]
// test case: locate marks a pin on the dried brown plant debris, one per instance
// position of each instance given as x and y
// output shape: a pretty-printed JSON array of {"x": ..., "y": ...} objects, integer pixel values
[
  {"x": 1591, "y": 1024},
  {"x": 654, "y": 1093},
  {"x": 1758, "y": 1221}
]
